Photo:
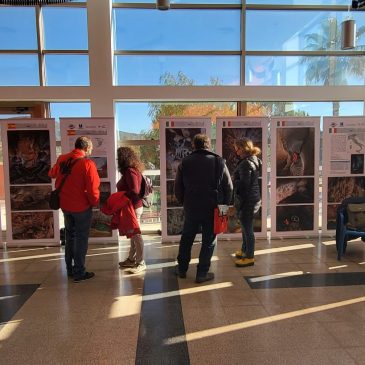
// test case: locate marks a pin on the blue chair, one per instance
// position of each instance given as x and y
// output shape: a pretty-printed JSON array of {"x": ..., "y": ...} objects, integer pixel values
[{"x": 343, "y": 232}]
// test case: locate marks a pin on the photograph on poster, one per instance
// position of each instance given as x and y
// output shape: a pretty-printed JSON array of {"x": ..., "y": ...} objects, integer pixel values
[
  {"x": 170, "y": 198},
  {"x": 100, "y": 225},
  {"x": 294, "y": 218},
  {"x": 356, "y": 143},
  {"x": 294, "y": 191},
  {"x": 230, "y": 135},
  {"x": 104, "y": 189},
  {"x": 340, "y": 188},
  {"x": 234, "y": 225},
  {"x": 29, "y": 156},
  {"x": 331, "y": 215},
  {"x": 295, "y": 151},
  {"x": 175, "y": 220},
  {"x": 35, "y": 225},
  {"x": 178, "y": 146},
  {"x": 357, "y": 164},
  {"x": 101, "y": 166},
  {"x": 30, "y": 197}
]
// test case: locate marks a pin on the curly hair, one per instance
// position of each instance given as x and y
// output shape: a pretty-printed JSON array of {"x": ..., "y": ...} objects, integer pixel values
[{"x": 126, "y": 158}]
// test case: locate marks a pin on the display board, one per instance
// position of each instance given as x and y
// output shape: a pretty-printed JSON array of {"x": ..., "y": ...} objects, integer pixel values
[
  {"x": 29, "y": 150},
  {"x": 343, "y": 174},
  {"x": 176, "y": 135},
  {"x": 294, "y": 202},
  {"x": 102, "y": 133},
  {"x": 230, "y": 130}
]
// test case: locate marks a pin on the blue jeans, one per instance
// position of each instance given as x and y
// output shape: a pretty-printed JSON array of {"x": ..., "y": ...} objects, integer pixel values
[
  {"x": 77, "y": 228},
  {"x": 248, "y": 237},
  {"x": 190, "y": 230}
]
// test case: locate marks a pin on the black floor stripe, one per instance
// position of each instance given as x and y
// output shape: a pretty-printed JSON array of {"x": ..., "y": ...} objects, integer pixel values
[
  {"x": 160, "y": 320},
  {"x": 12, "y": 297},
  {"x": 309, "y": 280}
]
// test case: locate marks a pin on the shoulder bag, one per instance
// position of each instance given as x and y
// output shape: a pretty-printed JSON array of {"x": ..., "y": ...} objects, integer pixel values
[{"x": 54, "y": 198}]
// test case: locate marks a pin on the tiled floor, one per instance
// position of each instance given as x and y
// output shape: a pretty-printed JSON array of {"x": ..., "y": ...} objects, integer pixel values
[{"x": 155, "y": 318}]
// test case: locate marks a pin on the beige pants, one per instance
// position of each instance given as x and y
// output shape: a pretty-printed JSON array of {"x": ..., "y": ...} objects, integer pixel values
[{"x": 136, "y": 250}]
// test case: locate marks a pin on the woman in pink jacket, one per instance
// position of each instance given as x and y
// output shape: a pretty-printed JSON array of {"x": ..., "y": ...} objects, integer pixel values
[{"x": 131, "y": 168}]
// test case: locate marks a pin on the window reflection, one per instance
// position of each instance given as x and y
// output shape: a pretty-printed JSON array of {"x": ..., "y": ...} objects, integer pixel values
[{"x": 305, "y": 70}]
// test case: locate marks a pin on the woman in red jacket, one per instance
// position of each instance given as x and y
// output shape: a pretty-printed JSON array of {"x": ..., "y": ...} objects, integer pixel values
[{"x": 131, "y": 168}]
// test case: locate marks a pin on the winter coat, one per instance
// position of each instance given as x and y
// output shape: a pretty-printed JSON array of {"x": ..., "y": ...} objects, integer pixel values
[
  {"x": 130, "y": 182},
  {"x": 124, "y": 217},
  {"x": 247, "y": 196},
  {"x": 81, "y": 188},
  {"x": 196, "y": 185}
]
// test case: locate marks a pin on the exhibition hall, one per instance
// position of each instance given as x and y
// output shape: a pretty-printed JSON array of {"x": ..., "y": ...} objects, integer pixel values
[{"x": 182, "y": 182}]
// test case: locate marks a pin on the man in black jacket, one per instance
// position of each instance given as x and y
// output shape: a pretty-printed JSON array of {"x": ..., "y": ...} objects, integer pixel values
[{"x": 202, "y": 181}]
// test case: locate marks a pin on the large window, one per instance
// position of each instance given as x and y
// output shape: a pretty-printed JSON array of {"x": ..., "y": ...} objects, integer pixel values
[
  {"x": 58, "y": 57},
  {"x": 154, "y": 47}
]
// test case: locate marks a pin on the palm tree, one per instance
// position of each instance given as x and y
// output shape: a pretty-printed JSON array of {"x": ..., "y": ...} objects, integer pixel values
[{"x": 336, "y": 70}]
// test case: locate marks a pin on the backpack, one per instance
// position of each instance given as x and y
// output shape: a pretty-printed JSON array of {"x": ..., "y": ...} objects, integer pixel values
[{"x": 146, "y": 191}]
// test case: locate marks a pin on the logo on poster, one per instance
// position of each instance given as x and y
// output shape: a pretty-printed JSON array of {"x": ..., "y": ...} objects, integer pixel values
[{"x": 71, "y": 126}]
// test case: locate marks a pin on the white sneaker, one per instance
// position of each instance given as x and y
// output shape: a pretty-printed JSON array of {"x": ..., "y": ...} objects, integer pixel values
[{"x": 137, "y": 268}]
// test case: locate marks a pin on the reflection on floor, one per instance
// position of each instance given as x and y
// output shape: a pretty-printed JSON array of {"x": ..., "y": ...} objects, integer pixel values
[{"x": 297, "y": 305}]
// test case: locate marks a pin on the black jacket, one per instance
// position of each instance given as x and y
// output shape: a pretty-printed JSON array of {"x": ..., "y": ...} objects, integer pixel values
[
  {"x": 246, "y": 184},
  {"x": 196, "y": 185}
]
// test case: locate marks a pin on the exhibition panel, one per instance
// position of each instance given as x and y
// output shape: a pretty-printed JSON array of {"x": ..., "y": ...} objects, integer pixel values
[
  {"x": 101, "y": 131},
  {"x": 176, "y": 135},
  {"x": 229, "y": 130},
  {"x": 29, "y": 150},
  {"x": 343, "y": 172},
  {"x": 294, "y": 176}
]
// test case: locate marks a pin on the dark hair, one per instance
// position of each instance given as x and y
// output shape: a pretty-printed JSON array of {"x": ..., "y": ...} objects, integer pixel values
[
  {"x": 126, "y": 157},
  {"x": 201, "y": 142},
  {"x": 83, "y": 142}
]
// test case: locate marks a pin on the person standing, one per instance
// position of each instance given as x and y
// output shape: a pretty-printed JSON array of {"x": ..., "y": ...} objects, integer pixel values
[
  {"x": 78, "y": 195},
  {"x": 202, "y": 181},
  {"x": 131, "y": 169},
  {"x": 246, "y": 197}
]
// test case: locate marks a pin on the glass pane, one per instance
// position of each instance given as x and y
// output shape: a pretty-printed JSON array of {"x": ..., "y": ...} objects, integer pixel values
[
  {"x": 306, "y": 108},
  {"x": 65, "y": 28},
  {"x": 19, "y": 70},
  {"x": 67, "y": 70},
  {"x": 146, "y": 29},
  {"x": 18, "y": 28},
  {"x": 178, "y": 70},
  {"x": 311, "y": 31},
  {"x": 299, "y": 2},
  {"x": 69, "y": 110},
  {"x": 298, "y": 71}
]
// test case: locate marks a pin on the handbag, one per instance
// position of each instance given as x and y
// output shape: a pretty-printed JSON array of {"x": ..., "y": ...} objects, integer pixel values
[
  {"x": 220, "y": 219},
  {"x": 54, "y": 198},
  {"x": 220, "y": 212}
]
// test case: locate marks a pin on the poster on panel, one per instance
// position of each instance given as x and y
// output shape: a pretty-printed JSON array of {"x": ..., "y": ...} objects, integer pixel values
[
  {"x": 176, "y": 135},
  {"x": 101, "y": 131},
  {"x": 230, "y": 130},
  {"x": 29, "y": 150},
  {"x": 343, "y": 173},
  {"x": 294, "y": 176}
]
